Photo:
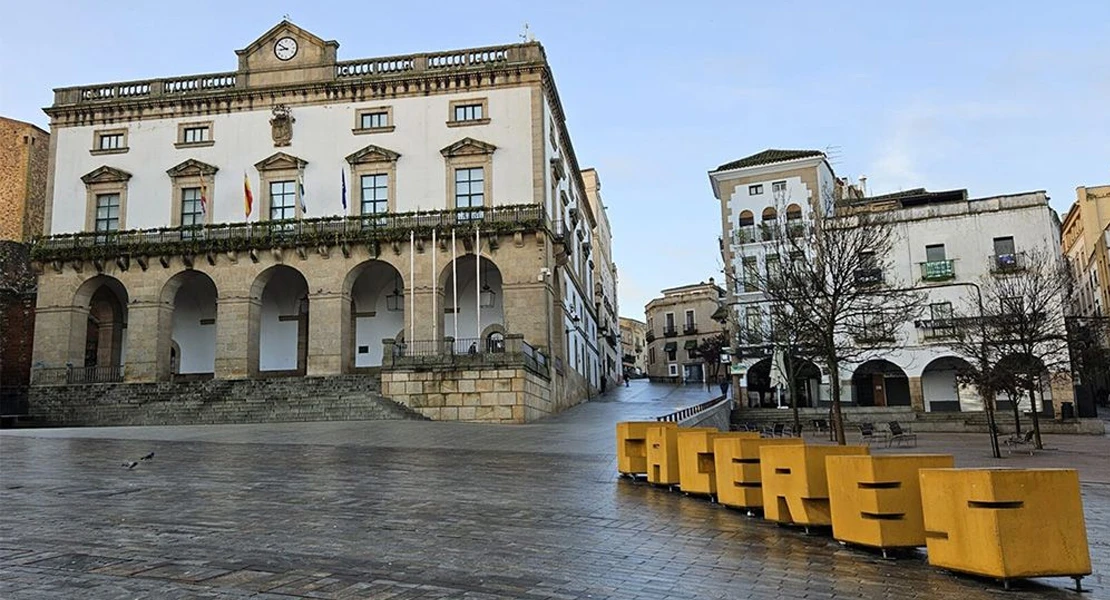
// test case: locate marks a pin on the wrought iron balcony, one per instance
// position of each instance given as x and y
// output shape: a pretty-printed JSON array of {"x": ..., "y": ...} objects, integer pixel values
[
  {"x": 689, "y": 329},
  {"x": 301, "y": 233},
  {"x": 512, "y": 350},
  {"x": 669, "y": 332},
  {"x": 869, "y": 276},
  {"x": 938, "y": 270},
  {"x": 1007, "y": 263},
  {"x": 76, "y": 375}
]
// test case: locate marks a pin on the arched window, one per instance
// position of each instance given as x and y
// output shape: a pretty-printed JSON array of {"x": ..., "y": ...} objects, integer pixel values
[
  {"x": 769, "y": 226},
  {"x": 746, "y": 218},
  {"x": 770, "y": 214},
  {"x": 793, "y": 212},
  {"x": 495, "y": 342}
]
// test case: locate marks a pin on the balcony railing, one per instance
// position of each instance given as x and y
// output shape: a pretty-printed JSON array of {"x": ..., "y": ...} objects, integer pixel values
[
  {"x": 869, "y": 276},
  {"x": 1007, "y": 263},
  {"x": 471, "y": 59},
  {"x": 936, "y": 329},
  {"x": 689, "y": 329},
  {"x": 669, "y": 332},
  {"x": 466, "y": 352},
  {"x": 319, "y": 232},
  {"x": 76, "y": 375},
  {"x": 649, "y": 337},
  {"x": 938, "y": 270},
  {"x": 746, "y": 234}
]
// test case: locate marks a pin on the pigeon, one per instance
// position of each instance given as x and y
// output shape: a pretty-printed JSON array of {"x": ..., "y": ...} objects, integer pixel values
[
  {"x": 130, "y": 465},
  {"x": 148, "y": 457}
]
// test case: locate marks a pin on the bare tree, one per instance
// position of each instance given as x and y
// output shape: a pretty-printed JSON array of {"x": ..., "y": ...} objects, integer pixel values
[
  {"x": 833, "y": 290},
  {"x": 1018, "y": 336}
]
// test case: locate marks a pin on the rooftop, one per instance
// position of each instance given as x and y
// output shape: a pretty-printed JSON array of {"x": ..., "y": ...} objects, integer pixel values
[{"x": 768, "y": 157}]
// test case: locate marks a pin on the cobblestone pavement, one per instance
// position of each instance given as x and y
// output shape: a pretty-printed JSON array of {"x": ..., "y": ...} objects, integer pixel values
[{"x": 432, "y": 510}]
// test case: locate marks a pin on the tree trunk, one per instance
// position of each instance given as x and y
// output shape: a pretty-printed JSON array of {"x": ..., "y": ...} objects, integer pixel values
[
  {"x": 790, "y": 387},
  {"x": 1014, "y": 400},
  {"x": 1036, "y": 419},
  {"x": 988, "y": 405},
  {"x": 837, "y": 416}
]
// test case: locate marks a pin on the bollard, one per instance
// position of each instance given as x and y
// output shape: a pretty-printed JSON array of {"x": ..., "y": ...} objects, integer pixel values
[
  {"x": 795, "y": 485},
  {"x": 739, "y": 482}
]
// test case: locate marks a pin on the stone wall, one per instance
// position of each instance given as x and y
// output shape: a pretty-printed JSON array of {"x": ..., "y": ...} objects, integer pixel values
[
  {"x": 24, "y": 157},
  {"x": 17, "y": 323},
  {"x": 482, "y": 393},
  {"x": 339, "y": 398}
]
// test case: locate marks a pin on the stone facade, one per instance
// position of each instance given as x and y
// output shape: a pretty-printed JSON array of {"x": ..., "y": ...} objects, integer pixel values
[
  {"x": 605, "y": 284},
  {"x": 416, "y": 198},
  {"x": 480, "y": 393},
  {"x": 1086, "y": 244},
  {"x": 633, "y": 346},
  {"x": 17, "y": 322},
  {"x": 24, "y": 158},
  {"x": 676, "y": 323}
]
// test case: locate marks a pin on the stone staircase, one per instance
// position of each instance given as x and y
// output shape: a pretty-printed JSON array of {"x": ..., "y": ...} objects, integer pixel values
[{"x": 332, "y": 398}]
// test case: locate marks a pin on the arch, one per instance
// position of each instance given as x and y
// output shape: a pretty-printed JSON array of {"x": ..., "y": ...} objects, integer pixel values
[
  {"x": 793, "y": 212},
  {"x": 747, "y": 219},
  {"x": 192, "y": 299},
  {"x": 942, "y": 389},
  {"x": 807, "y": 384},
  {"x": 880, "y": 382},
  {"x": 279, "y": 343},
  {"x": 375, "y": 310},
  {"x": 1016, "y": 374},
  {"x": 770, "y": 214},
  {"x": 102, "y": 302},
  {"x": 491, "y": 294}
]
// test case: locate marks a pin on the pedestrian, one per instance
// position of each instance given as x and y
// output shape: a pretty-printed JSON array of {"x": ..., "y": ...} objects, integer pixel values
[
  {"x": 724, "y": 385},
  {"x": 473, "y": 348}
]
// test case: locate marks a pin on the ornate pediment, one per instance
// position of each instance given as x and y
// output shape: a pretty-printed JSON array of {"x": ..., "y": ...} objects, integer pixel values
[
  {"x": 105, "y": 174},
  {"x": 192, "y": 168},
  {"x": 279, "y": 161},
  {"x": 468, "y": 147},
  {"x": 373, "y": 154},
  {"x": 310, "y": 49}
]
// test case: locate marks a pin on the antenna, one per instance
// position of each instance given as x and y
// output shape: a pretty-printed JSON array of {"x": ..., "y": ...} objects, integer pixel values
[
  {"x": 833, "y": 153},
  {"x": 286, "y": 17}
]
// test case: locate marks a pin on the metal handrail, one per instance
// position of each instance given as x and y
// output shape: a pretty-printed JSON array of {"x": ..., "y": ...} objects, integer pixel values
[{"x": 689, "y": 411}]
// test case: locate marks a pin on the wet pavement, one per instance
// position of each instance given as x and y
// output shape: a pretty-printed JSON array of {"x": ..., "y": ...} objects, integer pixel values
[{"x": 407, "y": 510}]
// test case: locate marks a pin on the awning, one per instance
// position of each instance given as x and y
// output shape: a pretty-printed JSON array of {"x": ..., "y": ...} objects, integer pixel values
[
  {"x": 670, "y": 346},
  {"x": 691, "y": 344}
]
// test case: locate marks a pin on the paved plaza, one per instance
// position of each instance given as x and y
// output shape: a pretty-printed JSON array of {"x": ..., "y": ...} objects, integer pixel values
[{"x": 406, "y": 510}]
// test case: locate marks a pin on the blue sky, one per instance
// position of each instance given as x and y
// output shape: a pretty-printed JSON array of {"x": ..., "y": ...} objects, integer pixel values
[{"x": 996, "y": 97}]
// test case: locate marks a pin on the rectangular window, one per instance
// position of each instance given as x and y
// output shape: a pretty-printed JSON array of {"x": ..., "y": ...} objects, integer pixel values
[
  {"x": 934, "y": 253},
  {"x": 1004, "y": 246},
  {"x": 774, "y": 269},
  {"x": 651, "y": 355},
  {"x": 194, "y": 135},
  {"x": 107, "y": 212},
  {"x": 373, "y": 120},
  {"x": 940, "y": 311},
  {"x": 755, "y": 190},
  {"x": 751, "y": 274},
  {"x": 778, "y": 188},
  {"x": 192, "y": 213},
  {"x": 375, "y": 194},
  {"x": 468, "y": 112},
  {"x": 111, "y": 141},
  {"x": 689, "y": 319},
  {"x": 672, "y": 369},
  {"x": 668, "y": 327},
  {"x": 754, "y": 325},
  {"x": 283, "y": 200},
  {"x": 470, "y": 192},
  {"x": 671, "y": 354}
]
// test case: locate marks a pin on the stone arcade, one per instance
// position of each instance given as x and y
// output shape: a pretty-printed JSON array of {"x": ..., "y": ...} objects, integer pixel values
[{"x": 417, "y": 218}]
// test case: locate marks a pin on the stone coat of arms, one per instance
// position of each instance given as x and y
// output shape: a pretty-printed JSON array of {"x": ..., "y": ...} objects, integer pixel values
[{"x": 281, "y": 126}]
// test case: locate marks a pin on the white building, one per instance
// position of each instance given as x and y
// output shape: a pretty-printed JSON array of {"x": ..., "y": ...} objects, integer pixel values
[
  {"x": 944, "y": 244},
  {"x": 363, "y": 173},
  {"x": 605, "y": 284}
]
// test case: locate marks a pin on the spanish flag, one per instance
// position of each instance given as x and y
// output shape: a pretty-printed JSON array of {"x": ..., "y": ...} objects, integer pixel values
[
  {"x": 203, "y": 196},
  {"x": 248, "y": 197}
]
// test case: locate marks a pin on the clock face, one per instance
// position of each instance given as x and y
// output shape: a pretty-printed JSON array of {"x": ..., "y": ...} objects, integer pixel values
[{"x": 285, "y": 48}]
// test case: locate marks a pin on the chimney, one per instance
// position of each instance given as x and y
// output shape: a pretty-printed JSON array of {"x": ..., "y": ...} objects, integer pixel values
[{"x": 863, "y": 185}]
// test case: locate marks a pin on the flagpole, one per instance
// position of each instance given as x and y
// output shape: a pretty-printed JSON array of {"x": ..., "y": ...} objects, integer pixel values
[
  {"x": 435, "y": 316},
  {"x": 412, "y": 285},
  {"x": 455, "y": 285},
  {"x": 478, "y": 281}
]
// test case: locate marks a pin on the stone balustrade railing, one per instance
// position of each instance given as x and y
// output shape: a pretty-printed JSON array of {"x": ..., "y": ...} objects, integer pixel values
[{"x": 370, "y": 68}]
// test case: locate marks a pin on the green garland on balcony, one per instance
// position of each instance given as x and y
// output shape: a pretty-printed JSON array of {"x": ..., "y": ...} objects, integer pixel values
[{"x": 307, "y": 233}]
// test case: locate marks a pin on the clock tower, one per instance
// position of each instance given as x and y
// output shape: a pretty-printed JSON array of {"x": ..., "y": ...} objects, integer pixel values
[{"x": 286, "y": 54}]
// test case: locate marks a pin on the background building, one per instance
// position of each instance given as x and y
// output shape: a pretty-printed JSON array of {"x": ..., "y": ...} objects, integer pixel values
[
  {"x": 932, "y": 252},
  {"x": 676, "y": 323},
  {"x": 633, "y": 347},
  {"x": 405, "y": 210},
  {"x": 605, "y": 284},
  {"x": 1086, "y": 243},
  {"x": 24, "y": 157}
]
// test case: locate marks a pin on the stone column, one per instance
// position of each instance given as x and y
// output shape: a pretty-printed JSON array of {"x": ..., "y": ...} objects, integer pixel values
[
  {"x": 149, "y": 326},
  {"x": 917, "y": 395},
  {"x": 329, "y": 331},
  {"x": 237, "y": 321},
  {"x": 59, "y": 335}
]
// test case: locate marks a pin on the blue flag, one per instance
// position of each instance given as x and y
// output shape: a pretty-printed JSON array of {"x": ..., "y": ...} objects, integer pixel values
[{"x": 343, "y": 176}]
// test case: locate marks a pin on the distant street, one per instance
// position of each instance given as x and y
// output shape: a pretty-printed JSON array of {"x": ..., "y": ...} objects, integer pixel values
[{"x": 436, "y": 510}]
